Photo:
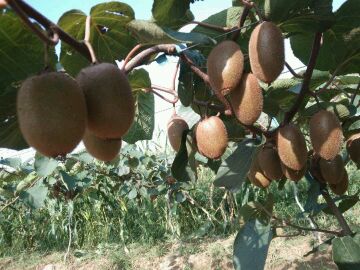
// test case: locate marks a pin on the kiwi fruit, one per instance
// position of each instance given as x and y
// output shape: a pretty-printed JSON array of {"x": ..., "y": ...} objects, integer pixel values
[
  {"x": 291, "y": 147},
  {"x": 294, "y": 175},
  {"x": 3, "y": 4},
  {"x": 211, "y": 137},
  {"x": 225, "y": 66},
  {"x": 353, "y": 147},
  {"x": 51, "y": 111},
  {"x": 341, "y": 187},
  {"x": 332, "y": 170},
  {"x": 247, "y": 100},
  {"x": 266, "y": 52},
  {"x": 109, "y": 99},
  {"x": 256, "y": 176},
  {"x": 101, "y": 149},
  {"x": 175, "y": 128},
  {"x": 326, "y": 134},
  {"x": 270, "y": 163}
]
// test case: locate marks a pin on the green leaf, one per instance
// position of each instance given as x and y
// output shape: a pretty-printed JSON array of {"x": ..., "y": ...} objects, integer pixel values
[
  {"x": 346, "y": 253},
  {"x": 14, "y": 163},
  {"x": 132, "y": 194},
  {"x": 233, "y": 170},
  {"x": 147, "y": 32},
  {"x": 26, "y": 182},
  {"x": 144, "y": 123},
  {"x": 44, "y": 166},
  {"x": 251, "y": 246},
  {"x": 171, "y": 13},
  {"x": 70, "y": 181},
  {"x": 280, "y": 10},
  {"x": 180, "y": 197},
  {"x": 35, "y": 196},
  {"x": 181, "y": 168},
  {"x": 346, "y": 203},
  {"x": 255, "y": 210},
  {"x": 108, "y": 34}
]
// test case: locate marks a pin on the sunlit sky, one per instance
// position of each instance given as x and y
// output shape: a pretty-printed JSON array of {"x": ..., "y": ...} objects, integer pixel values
[{"x": 160, "y": 75}]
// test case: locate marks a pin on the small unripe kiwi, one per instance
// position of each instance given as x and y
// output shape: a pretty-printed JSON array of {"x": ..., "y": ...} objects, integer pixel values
[
  {"x": 332, "y": 170},
  {"x": 353, "y": 147},
  {"x": 175, "y": 128},
  {"x": 102, "y": 149},
  {"x": 256, "y": 176},
  {"x": 51, "y": 111},
  {"x": 270, "y": 163},
  {"x": 294, "y": 175},
  {"x": 291, "y": 147},
  {"x": 225, "y": 66},
  {"x": 326, "y": 134},
  {"x": 247, "y": 100},
  {"x": 266, "y": 52},
  {"x": 109, "y": 99},
  {"x": 211, "y": 137},
  {"x": 341, "y": 187}
]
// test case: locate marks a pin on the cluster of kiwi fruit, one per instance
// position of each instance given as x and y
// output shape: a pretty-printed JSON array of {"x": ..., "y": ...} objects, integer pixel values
[{"x": 55, "y": 111}]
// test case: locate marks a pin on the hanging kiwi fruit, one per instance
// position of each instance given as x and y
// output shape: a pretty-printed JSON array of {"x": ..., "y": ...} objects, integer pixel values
[
  {"x": 341, "y": 187},
  {"x": 175, "y": 129},
  {"x": 269, "y": 162},
  {"x": 353, "y": 147},
  {"x": 52, "y": 113},
  {"x": 256, "y": 175},
  {"x": 101, "y": 149},
  {"x": 110, "y": 103},
  {"x": 266, "y": 52},
  {"x": 294, "y": 175},
  {"x": 332, "y": 170},
  {"x": 326, "y": 134},
  {"x": 211, "y": 137}
]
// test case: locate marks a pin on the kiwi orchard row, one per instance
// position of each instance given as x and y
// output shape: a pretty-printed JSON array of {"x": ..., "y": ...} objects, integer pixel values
[{"x": 285, "y": 155}]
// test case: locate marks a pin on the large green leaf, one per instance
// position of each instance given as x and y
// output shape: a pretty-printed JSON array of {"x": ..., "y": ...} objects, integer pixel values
[
  {"x": 35, "y": 196},
  {"x": 172, "y": 13},
  {"x": 233, "y": 170},
  {"x": 22, "y": 55},
  {"x": 251, "y": 246},
  {"x": 108, "y": 35},
  {"x": 44, "y": 166},
  {"x": 144, "y": 123},
  {"x": 341, "y": 43},
  {"x": 147, "y": 32},
  {"x": 346, "y": 253}
]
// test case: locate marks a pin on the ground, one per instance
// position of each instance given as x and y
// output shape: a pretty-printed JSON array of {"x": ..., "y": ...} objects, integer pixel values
[{"x": 214, "y": 254}]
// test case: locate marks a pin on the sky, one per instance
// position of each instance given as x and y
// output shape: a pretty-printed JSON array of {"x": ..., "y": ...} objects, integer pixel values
[{"x": 160, "y": 74}]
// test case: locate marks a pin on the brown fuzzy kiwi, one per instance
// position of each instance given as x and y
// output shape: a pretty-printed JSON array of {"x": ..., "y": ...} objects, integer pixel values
[
  {"x": 332, "y": 170},
  {"x": 270, "y": 163},
  {"x": 51, "y": 112},
  {"x": 175, "y": 128},
  {"x": 294, "y": 175},
  {"x": 256, "y": 176},
  {"x": 109, "y": 99},
  {"x": 266, "y": 52},
  {"x": 326, "y": 134},
  {"x": 353, "y": 147},
  {"x": 247, "y": 100},
  {"x": 291, "y": 147},
  {"x": 225, "y": 66},
  {"x": 341, "y": 187},
  {"x": 102, "y": 149},
  {"x": 3, "y": 4},
  {"x": 211, "y": 137}
]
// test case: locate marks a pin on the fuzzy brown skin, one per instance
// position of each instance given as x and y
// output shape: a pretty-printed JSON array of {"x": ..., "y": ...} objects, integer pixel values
[
  {"x": 225, "y": 66},
  {"x": 293, "y": 174},
  {"x": 3, "y": 4},
  {"x": 256, "y": 176},
  {"x": 342, "y": 186},
  {"x": 247, "y": 100},
  {"x": 211, "y": 137},
  {"x": 270, "y": 163},
  {"x": 326, "y": 134},
  {"x": 105, "y": 150},
  {"x": 291, "y": 147},
  {"x": 332, "y": 170},
  {"x": 353, "y": 147},
  {"x": 175, "y": 128},
  {"x": 266, "y": 52},
  {"x": 51, "y": 111},
  {"x": 111, "y": 107}
]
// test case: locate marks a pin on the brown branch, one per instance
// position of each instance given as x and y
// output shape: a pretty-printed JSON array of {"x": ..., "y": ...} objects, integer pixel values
[
  {"x": 254, "y": 6},
  {"x": 218, "y": 28},
  {"x": 139, "y": 59},
  {"x": 293, "y": 71},
  {"x": 216, "y": 107},
  {"x": 330, "y": 202},
  {"x": 176, "y": 98},
  {"x": 87, "y": 40},
  {"x": 162, "y": 88},
  {"x": 241, "y": 23},
  {"x": 195, "y": 69},
  {"x": 175, "y": 74},
  {"x": 49, "y": 25},
  {"x": 131, "y": 54},
  {"x": 307, "y": 79}
]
